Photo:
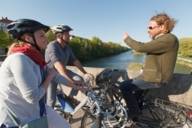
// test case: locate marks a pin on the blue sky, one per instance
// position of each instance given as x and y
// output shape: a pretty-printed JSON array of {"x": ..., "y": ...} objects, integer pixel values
[{"x": 106, "y": 19}]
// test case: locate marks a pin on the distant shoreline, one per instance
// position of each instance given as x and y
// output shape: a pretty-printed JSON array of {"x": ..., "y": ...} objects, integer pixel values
[{"x": 180, "y": 60}]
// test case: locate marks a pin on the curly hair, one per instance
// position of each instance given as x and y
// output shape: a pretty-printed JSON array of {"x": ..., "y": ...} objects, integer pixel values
[{"x": 164, "y": 19}]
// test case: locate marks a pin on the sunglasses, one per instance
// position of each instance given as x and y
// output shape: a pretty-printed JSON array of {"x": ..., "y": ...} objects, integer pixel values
[{"x": 150, "y": 27}]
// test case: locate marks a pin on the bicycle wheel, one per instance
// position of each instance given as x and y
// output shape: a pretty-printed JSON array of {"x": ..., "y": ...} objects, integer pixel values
[
  {"x": 156, "y": 117},
  {"x": 90, "y": 121}
]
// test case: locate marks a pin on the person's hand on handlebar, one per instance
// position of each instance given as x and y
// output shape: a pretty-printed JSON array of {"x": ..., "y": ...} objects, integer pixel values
[
  {"x": 79, "y": 84},
  {"x": 89, "y": 80}
]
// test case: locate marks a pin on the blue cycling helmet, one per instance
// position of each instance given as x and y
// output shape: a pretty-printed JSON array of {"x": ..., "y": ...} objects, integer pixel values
[{"x": 19, "y": 27}]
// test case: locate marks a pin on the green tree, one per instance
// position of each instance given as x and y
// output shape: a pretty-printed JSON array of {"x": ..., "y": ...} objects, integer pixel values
[
  {"x": 50, "y": 35},
  {"x": 86, "y": 49},
  {"x": 5, "y": 39}
]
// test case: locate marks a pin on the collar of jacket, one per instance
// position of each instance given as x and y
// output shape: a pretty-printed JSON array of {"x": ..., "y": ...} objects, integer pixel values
[{"x": 161, "y": 34}]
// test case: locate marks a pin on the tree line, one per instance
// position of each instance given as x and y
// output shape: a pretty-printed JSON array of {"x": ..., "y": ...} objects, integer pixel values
[
  {"x": 88, "y": 49},
  {"x": 84, "y": 49}
]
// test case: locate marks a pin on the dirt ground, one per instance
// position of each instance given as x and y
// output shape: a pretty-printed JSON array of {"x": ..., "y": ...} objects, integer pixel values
[{"x": 76, "y": 120}]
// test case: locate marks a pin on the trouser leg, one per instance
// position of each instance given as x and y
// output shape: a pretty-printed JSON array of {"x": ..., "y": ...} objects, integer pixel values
[
  {"x": 124, "y": 75},
  {"x": 68, "y": 91},
  {"x": 51, "y": 94},
  {"x": 129, "y": 92},
  {"x": 52, "y": 89}
]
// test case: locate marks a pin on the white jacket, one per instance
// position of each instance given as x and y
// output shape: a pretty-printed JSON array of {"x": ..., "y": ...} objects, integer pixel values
[{"x": 20, "y": 90}]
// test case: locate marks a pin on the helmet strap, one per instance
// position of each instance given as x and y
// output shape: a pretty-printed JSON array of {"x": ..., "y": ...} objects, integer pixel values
[{"x": 35, "y": 42}]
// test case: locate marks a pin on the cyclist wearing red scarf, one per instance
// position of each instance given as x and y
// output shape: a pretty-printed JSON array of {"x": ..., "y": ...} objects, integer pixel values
[{"x": 24, "y": 78}]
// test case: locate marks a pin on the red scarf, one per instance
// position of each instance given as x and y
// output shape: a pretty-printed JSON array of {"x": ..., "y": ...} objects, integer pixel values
[{"x": 31, "y": 52}]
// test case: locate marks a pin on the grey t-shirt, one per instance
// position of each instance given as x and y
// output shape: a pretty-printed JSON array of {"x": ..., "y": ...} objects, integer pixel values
[{"x": 55, "y": 52}]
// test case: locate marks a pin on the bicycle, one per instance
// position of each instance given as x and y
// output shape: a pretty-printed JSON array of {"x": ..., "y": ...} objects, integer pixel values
[
  {"x": 106, "y": 109},
  {"x": 64, "y": 106},
  {"x": 105, "y": 106}
]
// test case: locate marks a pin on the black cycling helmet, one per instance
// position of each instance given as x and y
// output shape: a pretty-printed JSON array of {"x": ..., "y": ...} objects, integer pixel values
[
  {"x": 22, "y": 26},
  {"x": 61, "y": 28}
]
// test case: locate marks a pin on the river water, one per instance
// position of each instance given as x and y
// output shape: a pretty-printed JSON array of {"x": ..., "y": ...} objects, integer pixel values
[{"x": 121, "y": 61}]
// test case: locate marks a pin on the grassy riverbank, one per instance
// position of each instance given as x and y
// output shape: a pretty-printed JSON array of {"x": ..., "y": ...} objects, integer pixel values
[
  {"x": 185, "y": 61},
  {"x": 185, "y": 52}
]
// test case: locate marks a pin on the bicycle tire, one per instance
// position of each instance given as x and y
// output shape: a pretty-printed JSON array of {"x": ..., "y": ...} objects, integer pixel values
[{"x": 158, "y": 117}]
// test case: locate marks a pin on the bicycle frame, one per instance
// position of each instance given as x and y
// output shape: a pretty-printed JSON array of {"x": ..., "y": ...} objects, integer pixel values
[{"x": 65, "y": 105}]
